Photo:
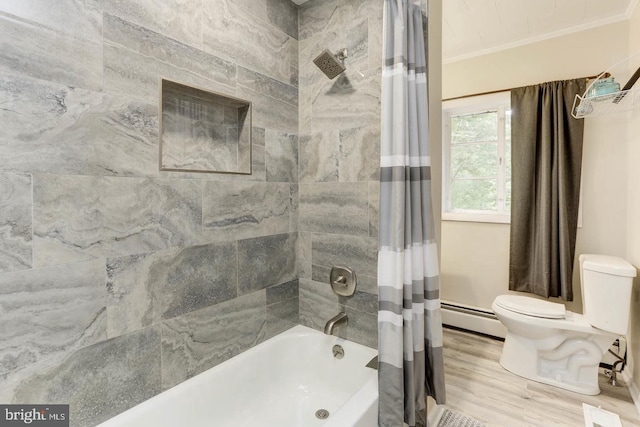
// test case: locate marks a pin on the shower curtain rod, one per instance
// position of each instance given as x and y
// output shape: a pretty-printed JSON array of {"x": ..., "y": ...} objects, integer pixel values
[{"x": 605, "y": 75}]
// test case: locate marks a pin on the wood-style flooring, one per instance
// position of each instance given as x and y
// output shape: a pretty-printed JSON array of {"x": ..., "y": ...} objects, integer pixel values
[{"x": 478, "y": 386}]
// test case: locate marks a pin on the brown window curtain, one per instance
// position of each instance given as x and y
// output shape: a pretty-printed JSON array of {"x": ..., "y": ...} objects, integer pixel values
[{"x": 546, "y": 144}]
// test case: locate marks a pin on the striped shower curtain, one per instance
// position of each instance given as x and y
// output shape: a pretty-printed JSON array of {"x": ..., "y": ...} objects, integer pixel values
[{"x": 409, "y": 323}]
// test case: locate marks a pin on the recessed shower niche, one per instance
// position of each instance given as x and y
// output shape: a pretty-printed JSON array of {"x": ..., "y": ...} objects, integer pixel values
[{"x": 203, "y": 131}]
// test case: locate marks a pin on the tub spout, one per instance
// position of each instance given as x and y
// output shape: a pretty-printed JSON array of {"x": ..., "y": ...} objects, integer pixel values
[{"x": 328, "y": 327}]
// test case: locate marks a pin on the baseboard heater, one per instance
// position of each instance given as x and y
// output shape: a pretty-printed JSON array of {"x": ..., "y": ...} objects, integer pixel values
[{"x": 471, "y": 318}]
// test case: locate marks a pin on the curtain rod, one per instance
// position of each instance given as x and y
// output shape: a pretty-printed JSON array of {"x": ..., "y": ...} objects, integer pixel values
[{"x": 605, "y": 75}]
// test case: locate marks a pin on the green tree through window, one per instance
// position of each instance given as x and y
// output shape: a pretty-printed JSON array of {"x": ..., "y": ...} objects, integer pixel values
[{"x": 477, "y": 163}]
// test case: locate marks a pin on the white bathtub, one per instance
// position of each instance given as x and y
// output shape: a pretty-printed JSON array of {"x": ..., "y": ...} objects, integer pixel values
[{"x": 281, "y": 383}]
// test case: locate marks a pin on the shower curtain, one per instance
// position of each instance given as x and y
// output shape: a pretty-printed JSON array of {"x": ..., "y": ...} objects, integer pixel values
[{"x": 409, "y": 322}]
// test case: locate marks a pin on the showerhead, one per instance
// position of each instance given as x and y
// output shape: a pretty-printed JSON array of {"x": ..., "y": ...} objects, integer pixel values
[{"x": 331, "y": 64}]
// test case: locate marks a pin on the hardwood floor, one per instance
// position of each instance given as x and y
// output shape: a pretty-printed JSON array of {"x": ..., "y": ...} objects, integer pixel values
[{"x": 478, "y": 386}]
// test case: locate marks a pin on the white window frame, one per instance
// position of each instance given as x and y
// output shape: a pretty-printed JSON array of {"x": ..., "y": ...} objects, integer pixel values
[{"x": 500, "y": 102}]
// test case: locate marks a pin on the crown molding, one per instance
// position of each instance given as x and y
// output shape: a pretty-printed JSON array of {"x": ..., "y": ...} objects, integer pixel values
[{"x": 565, "y": 31}]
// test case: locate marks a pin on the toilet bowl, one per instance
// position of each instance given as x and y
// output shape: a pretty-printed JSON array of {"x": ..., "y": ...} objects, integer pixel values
[{"x": 551, "y": 345}]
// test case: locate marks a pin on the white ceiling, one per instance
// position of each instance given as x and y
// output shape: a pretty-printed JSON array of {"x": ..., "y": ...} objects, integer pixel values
[{"x": 476, "y": 27}]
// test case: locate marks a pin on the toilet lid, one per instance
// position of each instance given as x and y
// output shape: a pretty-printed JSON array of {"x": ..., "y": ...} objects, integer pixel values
[{"x": 531, "y": 306}]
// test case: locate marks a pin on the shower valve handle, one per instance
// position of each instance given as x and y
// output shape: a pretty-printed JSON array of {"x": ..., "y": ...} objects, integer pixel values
[{"x": 340, "y": 280}]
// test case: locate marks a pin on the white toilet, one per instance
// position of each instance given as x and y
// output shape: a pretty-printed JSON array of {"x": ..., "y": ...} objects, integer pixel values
[{"x": 551, "y": 345}]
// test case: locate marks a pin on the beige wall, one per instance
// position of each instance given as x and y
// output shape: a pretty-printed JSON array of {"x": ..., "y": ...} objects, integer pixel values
[
  {"x": 475, "y": 255},
  {"x": 434, "y": 37},
  {"x": 633, "y": 197}
]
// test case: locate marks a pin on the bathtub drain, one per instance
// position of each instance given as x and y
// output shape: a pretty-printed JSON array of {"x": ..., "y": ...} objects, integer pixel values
[{"x": 322, "y": 414}]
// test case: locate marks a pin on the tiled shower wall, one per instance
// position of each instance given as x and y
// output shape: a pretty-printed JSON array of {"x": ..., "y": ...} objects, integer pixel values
[
  {"x": 339, "y": 146},
  {"x": 339, "y": 160},
  {"x": 118, "y": 281}
]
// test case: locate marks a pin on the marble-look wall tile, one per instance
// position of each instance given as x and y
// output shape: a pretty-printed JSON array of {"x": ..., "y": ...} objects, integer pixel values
[
  {"x": 360, "y": 154},
  {"x": 342, "y": 23},
  {"x": 205, "y": 338},
  {"x": 98, "y": 382},
  {"x": 143, "y": 41},
  {"x": 319, "y": 153},
  {"x": 334, "y": 208},
  {"x": 267, "y": 86},
  {"x": 258, "y": 163},
  {"x": 351, "y": 35},
  {"x": 258, "y": 136},
  {"x": 368, "y": 284},
  {"x": 194, "y": 278},
  {"x": 282, "y": 292},
  {"x": 78, "y": 218},
  {"x": 312, "y": 82},
  {"x": 128, "y": 72},
  {"x": 50, "y": 312},
  {"x": 305, "y": 102},
  {"x": 51, "y": 128},
  {"x": 284, "y": 15},
  {"x": 374, "y": 207},
  {"x": 258, "y": 167},
  {"x": 241, "y": 210},
  {"x": 361, "y": 301},
  {"x": 375, "y": 37},
  {"x": 304, "y": 255},
  {"x": 353, "y": 101},
  {"x": 309, "y": 75},
  {"x": 315, "y": 16},
  {"x": 257, "y": 8},
  {"x": 135, "y": 58},
  {"x": 361, "y": 328},
  {"x": 361, "y": 8},
  {"x": 178, "y": 19},
  {"x": 281, "y": 316},
  {"x": 70, "y": 17},
  {"x": 294, "y": 199},
  {"x": 356, "y": 17},
  {"x": 268, "y": 112},
  {"x": 295, "y": 81},
  {"x": 130, "y": 293},
  {"x": 258, "y": 170},
  {"x": 321, "y": 273},
  {"x": 282, "y": 308},
  {"x": 352, "y": 90},
  {"x": 285, "y": 310},
  {"x": 318, "y": 304},
  {"x": 266, "y": 261},
  {"x": 281, "y": 156},
  {"x": 354, "y": 35},
  {"x": 230, "y": 33},
  {"x": 15, "y": 222},
  {"x": 147, "y": 288},
  {"x": 37, "y": 51},
  {"x": 357, "y": 252}
]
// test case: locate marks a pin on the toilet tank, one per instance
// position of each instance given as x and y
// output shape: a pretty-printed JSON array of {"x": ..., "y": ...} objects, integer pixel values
[{"x": 606, "y": 291}]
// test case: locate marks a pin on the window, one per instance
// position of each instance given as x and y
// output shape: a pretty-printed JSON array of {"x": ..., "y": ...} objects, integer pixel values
[{"x": 477, "y": 158}]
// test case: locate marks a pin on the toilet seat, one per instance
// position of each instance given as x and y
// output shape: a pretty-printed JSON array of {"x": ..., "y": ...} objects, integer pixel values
[{"x": 531, "y": 306}]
